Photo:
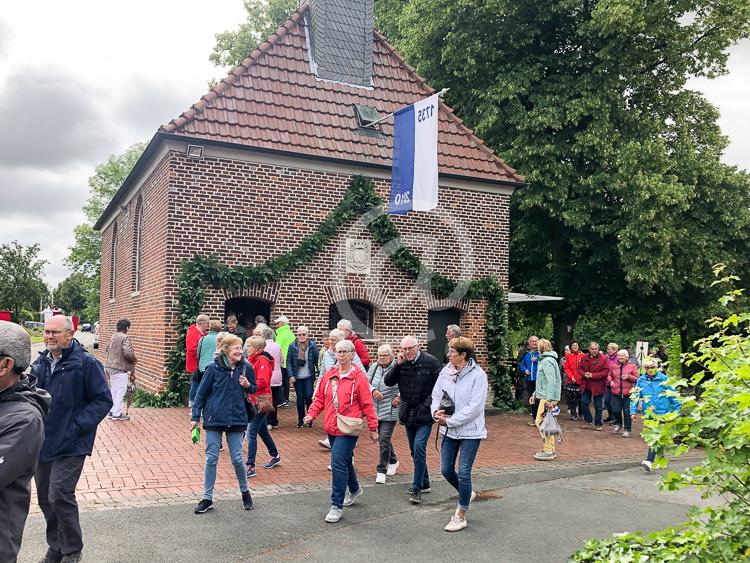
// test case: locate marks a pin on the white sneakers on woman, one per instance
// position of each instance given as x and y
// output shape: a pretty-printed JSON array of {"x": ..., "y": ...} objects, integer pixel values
[
  {"x": 456, "y": 524},
  {"x": 334, "y": 514},
  {"x": 391, "y": 469},
  {"x": 380, "y": 479}
]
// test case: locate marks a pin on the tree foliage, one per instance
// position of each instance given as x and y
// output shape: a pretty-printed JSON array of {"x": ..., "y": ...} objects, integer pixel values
[
  {"x": 719, "y": 424},
  {"x": 21, "y": 285},
  {"x": 71, "y": 295},
  {"x": 628, "y": 199},
  {"x": 85, "y": 254}
]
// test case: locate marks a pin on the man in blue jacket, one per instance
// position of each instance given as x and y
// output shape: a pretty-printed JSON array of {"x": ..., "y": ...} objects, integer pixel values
[
  {"x": 528, "y": 367},
  {"x": 80, "y": 400}
]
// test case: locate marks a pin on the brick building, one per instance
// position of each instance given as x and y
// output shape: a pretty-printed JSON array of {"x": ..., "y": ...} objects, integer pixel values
[{"x": 261, "y": 160}]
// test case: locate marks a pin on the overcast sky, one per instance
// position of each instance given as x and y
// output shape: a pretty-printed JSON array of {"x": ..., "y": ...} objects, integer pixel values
[{"x": 82, "y": 80}]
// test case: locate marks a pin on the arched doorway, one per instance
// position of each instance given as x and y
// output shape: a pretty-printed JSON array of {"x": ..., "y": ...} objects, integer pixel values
[
  {"x": 246, "y": 309},
  {"x": 360, "y": 313},
  {"x": 437, "y": 321}
]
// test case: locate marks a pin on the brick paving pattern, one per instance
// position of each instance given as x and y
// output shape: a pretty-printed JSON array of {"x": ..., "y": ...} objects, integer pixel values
[{"x": 151, "y": 459}]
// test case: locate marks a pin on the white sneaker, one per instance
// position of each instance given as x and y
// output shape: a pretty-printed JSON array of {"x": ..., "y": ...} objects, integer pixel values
[
  {"x": 456, "y": 524},
  {"x": 615, "y": 429},
  {"x": 647, "y": 465},
  {"x": 329, "y": 468},
  {"x": 325, "y": 443},
  {"x": 349, "y": 498},
  {"x": 334, "y": 514},
  {"x": 391, "y": 469},
  {"x": 626, "y": 434},
  {"x": 380, "y": 478},
  {"x": 473, "y": 496}
]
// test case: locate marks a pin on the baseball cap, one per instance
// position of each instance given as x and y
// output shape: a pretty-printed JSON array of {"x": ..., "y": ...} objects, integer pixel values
[{"x": 282, "y": 319}]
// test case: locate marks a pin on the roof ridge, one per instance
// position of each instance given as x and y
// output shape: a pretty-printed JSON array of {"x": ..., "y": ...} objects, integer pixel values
[
  {"x": 452, "y": 115},
  {"x": 237, "y": 71}
]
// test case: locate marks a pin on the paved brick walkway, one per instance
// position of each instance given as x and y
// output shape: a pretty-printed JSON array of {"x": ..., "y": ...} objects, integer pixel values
[{"x": 151, "y": 458}]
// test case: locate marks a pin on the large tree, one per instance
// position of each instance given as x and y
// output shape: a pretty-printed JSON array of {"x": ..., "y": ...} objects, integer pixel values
[
  {"x": 85, "y": 254},
  {"x": 21, "y": 285},
  {"x": 628, "y": 200},
  {"x": 72, "y": 296}
]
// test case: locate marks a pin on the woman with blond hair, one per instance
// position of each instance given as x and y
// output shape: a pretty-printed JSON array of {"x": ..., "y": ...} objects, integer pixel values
[
  {"x": 547, "y": 394},
  {"x": 221, "y": 401}
]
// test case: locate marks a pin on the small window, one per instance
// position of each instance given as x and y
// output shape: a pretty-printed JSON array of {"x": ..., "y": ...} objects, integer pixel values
[
  {"x": 113, "y": 264},
  {"x": 360, "y": 313},
  {"x": 138, "y": 246},
  {"x": 366, "y": 115}
]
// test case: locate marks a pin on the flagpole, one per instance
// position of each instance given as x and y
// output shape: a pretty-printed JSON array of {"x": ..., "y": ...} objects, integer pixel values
[{"x": 374, "y": 123}]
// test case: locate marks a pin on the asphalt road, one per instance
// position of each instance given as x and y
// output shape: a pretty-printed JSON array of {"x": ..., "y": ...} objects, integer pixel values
[
  {"x": 521, "y": 516},
  {"x": 85, "y": 338}
]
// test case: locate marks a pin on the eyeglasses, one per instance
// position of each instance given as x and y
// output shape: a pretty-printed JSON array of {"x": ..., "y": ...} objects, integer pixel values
[
  {"x": 53, "y": 332},
  {"x": 409, "y": 348},
  {"x": 345, "y": 351}
]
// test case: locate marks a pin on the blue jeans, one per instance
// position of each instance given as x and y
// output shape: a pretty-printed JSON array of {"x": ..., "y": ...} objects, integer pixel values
[
  {"x": 304, "y": 390},
  {"x": 342, "y": 468},
  {"x": 585, "y": 400},
  {"x": 418, "y": 436},
  {"x": 651, "y": 455},
  {"x": 259, "y": 427},
  {"x": 213, "y": 441},
  {"x": 460, "y": 481},
  {"x": 195, "y": 381}
]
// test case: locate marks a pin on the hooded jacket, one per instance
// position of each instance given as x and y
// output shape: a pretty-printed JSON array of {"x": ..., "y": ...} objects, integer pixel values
[
  {"x": 415, "y": 382},
  {"x": 468, "y": 391},
  {"x": 220, "y": 398},
  {"x": 354, "y": 397},
  {"x": 262, "y": 363},
  {"x": 80, "y": 401},
  {"x": 548, "y": 378},
  {"x": 22, "y": 411},
  {"x": 649, "y": 394},
  {"x": 284, "y": 337},
  {"x": 622, "y": 378}
]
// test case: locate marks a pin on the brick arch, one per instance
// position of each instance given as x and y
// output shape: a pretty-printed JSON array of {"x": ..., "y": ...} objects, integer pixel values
[
  {"x": 435, "y": 303},
  {"x": 265, "y": 292},
  {"x": 376, "y": 296}
]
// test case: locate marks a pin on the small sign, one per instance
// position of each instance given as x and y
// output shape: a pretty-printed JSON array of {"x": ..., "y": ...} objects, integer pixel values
[{"x": 358, "y": 256}]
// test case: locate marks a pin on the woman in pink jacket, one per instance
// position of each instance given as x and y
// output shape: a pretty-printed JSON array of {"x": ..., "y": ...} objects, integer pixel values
[
  {"x": 623, "y": 375},
  {"x": 353, "y": 399}
]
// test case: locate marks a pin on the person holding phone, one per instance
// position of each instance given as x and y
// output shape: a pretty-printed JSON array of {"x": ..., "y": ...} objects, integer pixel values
[{"x": 221, "y": 400}]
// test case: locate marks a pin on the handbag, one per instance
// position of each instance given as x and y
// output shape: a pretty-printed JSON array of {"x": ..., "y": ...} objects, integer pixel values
[
  {"x": 264, "y": 404},
  {"x": 446, "y": 404},
  {"x": 347, "y": 425}
]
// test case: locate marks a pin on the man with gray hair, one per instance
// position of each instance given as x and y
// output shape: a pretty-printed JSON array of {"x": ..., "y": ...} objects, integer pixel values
[
  {"x": 451, "y": 332},
  {"x": 80, "y": 401},
  {"x": 22, "y": 411}
]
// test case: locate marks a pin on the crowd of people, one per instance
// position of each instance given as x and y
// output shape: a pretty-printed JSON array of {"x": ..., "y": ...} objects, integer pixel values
[
  {"x": 50, "y": 408},
  {"x": 607, "y": 380}
]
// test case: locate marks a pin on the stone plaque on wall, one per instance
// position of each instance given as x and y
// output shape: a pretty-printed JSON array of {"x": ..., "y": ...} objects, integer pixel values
[{"x": 358, "y": 256}]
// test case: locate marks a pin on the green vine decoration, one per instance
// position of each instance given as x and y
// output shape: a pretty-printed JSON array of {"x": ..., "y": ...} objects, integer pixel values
[{"x": 360, "y": 200}]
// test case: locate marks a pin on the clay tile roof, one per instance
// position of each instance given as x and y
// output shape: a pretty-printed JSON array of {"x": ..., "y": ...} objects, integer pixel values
[{"x": 272, "y": 100}]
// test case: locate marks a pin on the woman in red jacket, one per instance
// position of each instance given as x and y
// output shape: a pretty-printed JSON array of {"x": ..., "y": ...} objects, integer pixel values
[
  {"x": 572, "y": 381},
  {"x": 623, "y": 375},
  {"x": 343, "y": 390},
  {"x": 262, "y": 363}
]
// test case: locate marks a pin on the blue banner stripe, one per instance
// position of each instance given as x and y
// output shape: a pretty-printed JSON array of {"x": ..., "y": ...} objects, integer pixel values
[{"x": 402, "y": 177}]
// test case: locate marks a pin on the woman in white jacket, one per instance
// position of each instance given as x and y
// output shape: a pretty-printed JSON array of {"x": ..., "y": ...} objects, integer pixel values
[{"x": 466, "y": 384}]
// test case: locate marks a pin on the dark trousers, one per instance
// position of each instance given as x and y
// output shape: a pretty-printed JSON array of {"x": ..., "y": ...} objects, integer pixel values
[
  {"x": 285, "y": 384},
  {"x": 621, "y": 411},
  {"x": 651, "y": 455},
  {"x": 343, "y": 475},
  {"x": 387, "y": 455},
  {"x": 259, "y": 428},
  {"x": 608, "y": 401},
  {"x": 573, "y": 399},
  {"x": 530, "y": 388},
  {"x": 304, "y": 391},
  {"x": 277, "y": 397},
  {"x": 56, "y": 488},
  {"x": 418, "y": 437},
  {"x": 586, "y": 399}
]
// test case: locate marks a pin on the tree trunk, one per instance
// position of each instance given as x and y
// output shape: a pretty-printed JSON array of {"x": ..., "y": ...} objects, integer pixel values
[{"x": 562, "y": 327}]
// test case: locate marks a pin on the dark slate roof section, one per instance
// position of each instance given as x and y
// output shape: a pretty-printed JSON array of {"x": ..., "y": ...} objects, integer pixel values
[
  {"x": 273, "y": 101},
  {"x": 341, "y": 40}
]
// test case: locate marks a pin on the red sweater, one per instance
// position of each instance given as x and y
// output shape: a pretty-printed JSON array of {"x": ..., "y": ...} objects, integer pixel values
[
  {"x": 192, "y": 338},
  {"x": 598, "y": 367},
  {"x": 360, "y": 348},
  {"x": 262, "y": 363},
  {"x": 354, "y": 397}
]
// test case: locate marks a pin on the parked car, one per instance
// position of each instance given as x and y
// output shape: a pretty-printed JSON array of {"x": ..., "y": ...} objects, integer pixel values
[
  {"x": 86, "y": 327},
  {"x": 33, "y": 324},
  {"x": 95, "y": 330}
]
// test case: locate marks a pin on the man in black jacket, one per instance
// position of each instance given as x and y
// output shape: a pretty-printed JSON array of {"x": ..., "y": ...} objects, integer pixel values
[
  {"x": 415, "y": 373},
  {"x": 22, "y": 410},
  {"x": 80, "y": 400}
]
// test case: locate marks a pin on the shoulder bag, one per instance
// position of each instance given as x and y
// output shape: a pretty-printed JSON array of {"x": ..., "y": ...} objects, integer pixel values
[{"x": 348, "y": 425}]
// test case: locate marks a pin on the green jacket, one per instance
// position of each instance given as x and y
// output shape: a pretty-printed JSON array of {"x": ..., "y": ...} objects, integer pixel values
[
  {"x": 548, "y": 378},
  {"x": 284, "y": 337}
]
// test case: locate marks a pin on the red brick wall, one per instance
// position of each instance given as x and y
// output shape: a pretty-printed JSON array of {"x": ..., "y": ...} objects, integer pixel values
[
  {"x": 146, "y": 308},
  {"x": 246, "y": 213}
]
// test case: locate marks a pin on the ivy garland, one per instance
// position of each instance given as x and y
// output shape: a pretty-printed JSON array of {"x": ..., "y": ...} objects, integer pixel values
[{"x": 360, "y": 199}]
